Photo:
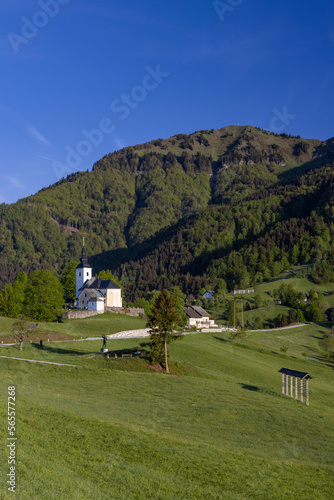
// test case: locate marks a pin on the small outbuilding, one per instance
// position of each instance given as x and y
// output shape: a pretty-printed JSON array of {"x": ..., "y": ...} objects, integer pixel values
[{"x": 96, "y": 304}]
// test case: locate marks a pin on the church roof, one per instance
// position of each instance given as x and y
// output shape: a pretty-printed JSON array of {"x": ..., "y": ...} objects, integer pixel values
[
  {"x": 96, "y": 299},
  {"x": 100, "y": 284},
  {"x": 84, "y": 260},
  {"x": 91, "y": 292}
]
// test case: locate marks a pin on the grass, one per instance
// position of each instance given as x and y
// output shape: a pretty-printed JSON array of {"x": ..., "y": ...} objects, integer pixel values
[
  {"x": 118, "y": 429},
  {"x": 96, "y": 326},
  {"x": 298, "y": 340},
  {"x": 300, "y": 284},
  {"x": 267, "y": 314},
  {"x": 270, "y": 311}
]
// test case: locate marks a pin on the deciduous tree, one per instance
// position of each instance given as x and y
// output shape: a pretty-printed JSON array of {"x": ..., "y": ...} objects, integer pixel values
[
  {"x": 44, "y": 296},
  {"x": 22, "y": 329},
  {"x": 68, "y": 281}
]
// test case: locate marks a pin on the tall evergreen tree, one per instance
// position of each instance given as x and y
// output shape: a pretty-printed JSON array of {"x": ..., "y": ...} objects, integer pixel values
[
  {"x": 163, "y": 317},
  {"x": 179, "y": 298}
]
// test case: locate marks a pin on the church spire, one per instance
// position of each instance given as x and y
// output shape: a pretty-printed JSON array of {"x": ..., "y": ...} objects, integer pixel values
[
  {"x": 83, "y": 260},
  {"x": 83, "y": 271}
]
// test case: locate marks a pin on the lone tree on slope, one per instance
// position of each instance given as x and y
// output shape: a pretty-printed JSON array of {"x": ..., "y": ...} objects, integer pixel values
[
  {"x": 22, "y": 329},
  {"x": 163, "y": 317}
]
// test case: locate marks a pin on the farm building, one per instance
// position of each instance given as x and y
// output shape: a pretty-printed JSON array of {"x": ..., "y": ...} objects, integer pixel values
[{"x": 198, "y": 317}]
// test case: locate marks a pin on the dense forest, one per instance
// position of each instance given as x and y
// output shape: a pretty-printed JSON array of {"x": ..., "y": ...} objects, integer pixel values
[{"x": 237, "y": 204}]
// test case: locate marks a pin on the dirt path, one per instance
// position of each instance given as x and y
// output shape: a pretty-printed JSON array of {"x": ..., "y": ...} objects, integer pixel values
[
  {"x": 281, "y": 328},
  {"x": 35, "y": 361}
]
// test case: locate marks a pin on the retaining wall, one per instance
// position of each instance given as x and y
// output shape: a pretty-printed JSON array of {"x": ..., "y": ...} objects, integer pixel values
[
  {"x": 80, "y": 314},
  {"x": 129, "y": 311}
]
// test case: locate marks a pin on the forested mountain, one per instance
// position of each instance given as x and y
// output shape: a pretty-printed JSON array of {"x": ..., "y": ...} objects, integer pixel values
[{"x": 238, "y": 204}]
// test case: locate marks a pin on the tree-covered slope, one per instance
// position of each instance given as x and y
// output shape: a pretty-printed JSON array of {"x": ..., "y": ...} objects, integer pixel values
[
  {"x": 243, "y": 243},
  {"x": 176, "y": 208}
]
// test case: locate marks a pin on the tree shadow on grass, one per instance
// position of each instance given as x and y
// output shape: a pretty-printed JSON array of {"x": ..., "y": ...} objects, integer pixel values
[
  {"x": 58, "y": 350},
  {"x": 317, "y": 338},
  {"x": 253, "y": 388},
  {"x": 134, "y": 352},
  {"x": 220, "y": 339}
]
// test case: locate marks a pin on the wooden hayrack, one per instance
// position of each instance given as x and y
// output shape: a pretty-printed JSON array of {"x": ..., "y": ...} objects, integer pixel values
[{"x": 294, "y": 374}]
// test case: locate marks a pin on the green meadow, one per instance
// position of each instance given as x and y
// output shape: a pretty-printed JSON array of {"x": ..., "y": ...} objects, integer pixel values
[
  {"x": 96, "y": 326},
  {"x": 218, "y": 427},
  {"x": 269, "y": 310}
]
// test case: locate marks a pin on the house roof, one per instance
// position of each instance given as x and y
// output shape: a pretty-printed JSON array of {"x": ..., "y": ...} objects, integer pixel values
[
  {"x": 99, "y": 284},
  {"x": 294, "y": 373},
  {"x": 191, "y": 313},
  {"x": 196, "y": 312},
  {"x": 201, "y": 311}
]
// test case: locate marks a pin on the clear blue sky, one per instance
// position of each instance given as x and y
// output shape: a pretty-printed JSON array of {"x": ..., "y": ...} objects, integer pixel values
[{"x": 138, "y": 71}]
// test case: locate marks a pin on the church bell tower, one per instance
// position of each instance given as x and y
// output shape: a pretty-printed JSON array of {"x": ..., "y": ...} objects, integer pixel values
[{"x": 83, "y": 271}]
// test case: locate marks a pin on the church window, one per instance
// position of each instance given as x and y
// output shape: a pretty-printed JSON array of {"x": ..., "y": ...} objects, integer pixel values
[
  {"x": 87, "y": 273},
  {"x": 79, "y": 274}
]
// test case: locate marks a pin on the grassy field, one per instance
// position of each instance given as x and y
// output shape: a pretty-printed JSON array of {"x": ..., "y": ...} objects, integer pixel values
[
  {"x": 269, "y": 310},
  {"x": 267, "y": 314},
  {"x": 116, "y": 429},
  {"x": 300, "y": 284},
  {"x": 96, "y": 326}
]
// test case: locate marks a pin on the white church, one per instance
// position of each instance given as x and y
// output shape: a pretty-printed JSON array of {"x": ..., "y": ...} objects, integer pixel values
[{"x": 93, "y": 293}]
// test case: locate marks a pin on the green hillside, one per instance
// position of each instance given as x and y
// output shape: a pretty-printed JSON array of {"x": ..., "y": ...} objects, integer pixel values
[
  {"x": 237, "y": 203},
  {"x": 96, "y": 326},
  {"x": 115, "y": 429}
]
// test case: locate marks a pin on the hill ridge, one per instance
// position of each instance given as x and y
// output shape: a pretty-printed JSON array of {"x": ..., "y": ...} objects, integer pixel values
[{"x": 139, "y": 195}]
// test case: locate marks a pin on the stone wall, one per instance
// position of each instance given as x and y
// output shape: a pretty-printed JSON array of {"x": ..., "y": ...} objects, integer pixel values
[
  {"x": 80, "y": 314},
  {"x": 129, "y": 311}
]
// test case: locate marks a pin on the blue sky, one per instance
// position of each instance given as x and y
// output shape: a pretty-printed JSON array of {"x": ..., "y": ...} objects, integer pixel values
[{"x": 82, "y": 78}]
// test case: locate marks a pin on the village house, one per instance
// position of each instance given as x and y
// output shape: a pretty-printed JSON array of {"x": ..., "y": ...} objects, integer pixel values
[
  {"x": 198, "y": 317},
  {"x": 93, "y": 293}
]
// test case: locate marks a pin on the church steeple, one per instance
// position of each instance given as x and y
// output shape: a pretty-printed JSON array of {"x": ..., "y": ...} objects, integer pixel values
[
  {"x": 84, "y": 260},
  {"x": 84, "y": 270}
]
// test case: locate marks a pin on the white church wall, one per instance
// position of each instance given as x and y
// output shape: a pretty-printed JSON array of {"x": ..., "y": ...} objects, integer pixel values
[
  {"x": 82, "y": 275},
  {"x": 97, "y": 305}
]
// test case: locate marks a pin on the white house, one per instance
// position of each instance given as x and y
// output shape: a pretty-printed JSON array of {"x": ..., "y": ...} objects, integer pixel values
[
  {"x": 198, "y": 317},
  {"x": 94, "y": 293}
]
